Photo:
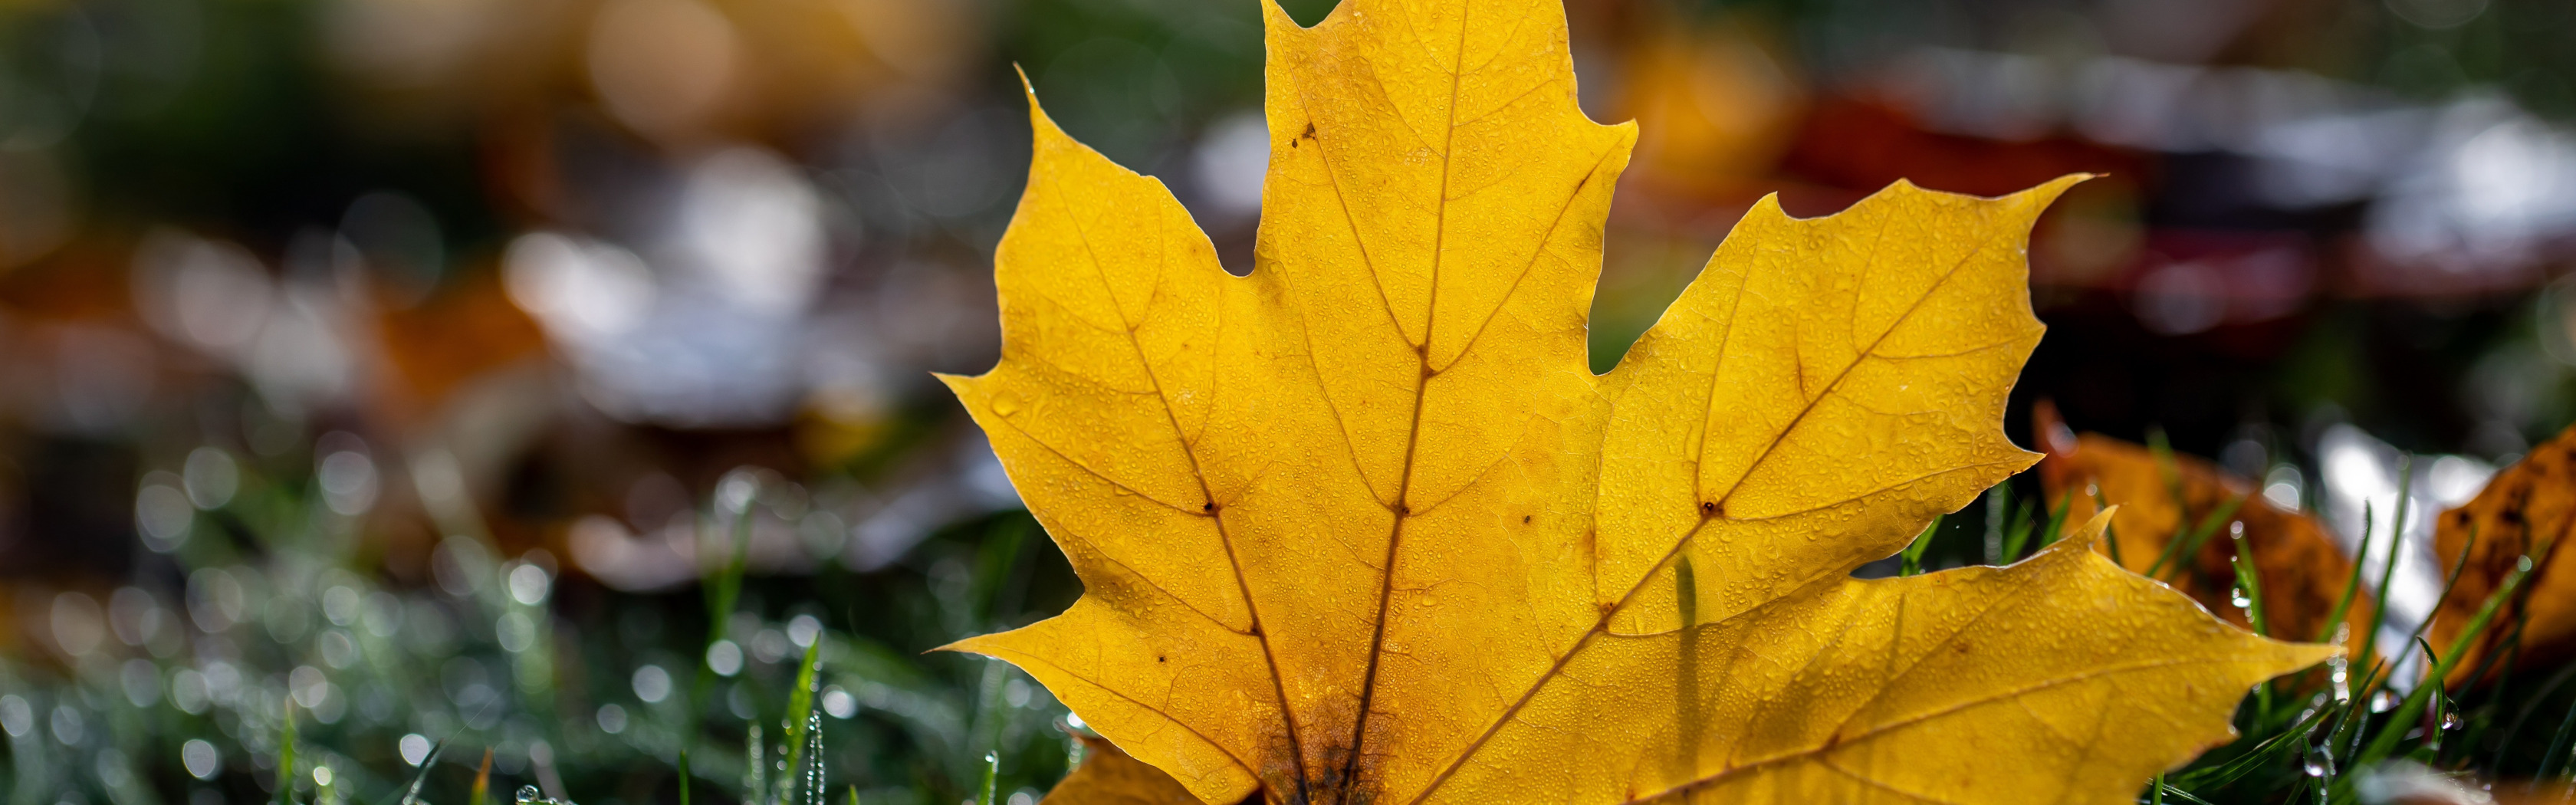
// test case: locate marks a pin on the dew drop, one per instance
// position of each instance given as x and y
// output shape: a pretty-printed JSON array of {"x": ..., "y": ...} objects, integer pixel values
[
  {"x": 528, "y": 795},
  {"x": 1005, "y": 404}
]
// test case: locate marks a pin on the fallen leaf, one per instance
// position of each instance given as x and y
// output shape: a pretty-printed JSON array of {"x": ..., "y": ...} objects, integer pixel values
[
  {"x": 2303, "y": 572},
  {"x": 2527, "y": 509},
  {"x": 445, "y": 345},
  {"x": 1363, "y": 527},
  {"x": 2525, "y": 792},
  {"x": 1109, "y": 777},
  {"x": 1715, "y": 108}
]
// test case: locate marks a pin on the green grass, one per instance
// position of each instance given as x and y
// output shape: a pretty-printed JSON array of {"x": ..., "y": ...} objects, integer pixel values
[
  {"x": 278, "y": 641},
  {"x": 283, "y": 645}
]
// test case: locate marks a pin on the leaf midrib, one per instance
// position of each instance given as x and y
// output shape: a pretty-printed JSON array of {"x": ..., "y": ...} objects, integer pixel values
[{"x": 1413, "y": 431}]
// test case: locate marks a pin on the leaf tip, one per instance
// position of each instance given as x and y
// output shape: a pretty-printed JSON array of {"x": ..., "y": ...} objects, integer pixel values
[
  {"x": 965, "y": 646},
  {"x": 2091, "y": 533},
  {"x": 2047, "y": 192}
]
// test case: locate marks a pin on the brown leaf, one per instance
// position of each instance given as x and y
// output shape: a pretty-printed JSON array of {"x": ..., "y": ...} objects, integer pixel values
[
  {"x": 2303, "y": 572},
  {"x": 2526, "y": 510},
  {"x": 1109, "y": 777}
]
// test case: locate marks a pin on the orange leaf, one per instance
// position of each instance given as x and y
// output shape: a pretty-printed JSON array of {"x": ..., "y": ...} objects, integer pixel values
[
  {"x": 2303, "y": 571},
  {"x": 1108, "y": 776},
  {"x": 2526, "y": 510}
]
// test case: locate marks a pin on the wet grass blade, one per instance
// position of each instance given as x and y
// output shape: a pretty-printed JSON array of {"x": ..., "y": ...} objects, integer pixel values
[
  {"x": 2249, "y": 581},
  {"x": 411, "y": 793},
  {"x": 2265, "y": 754},
  {"x": 2249, "y": 577},
  {"x": 2395, "y": 730},
  {"x": 755, "y": 777},
  {"x": 2351, "y": 586},
  {"x": 2388, "y": 572},
  {"x": 722, "y": 592},
  {"x": 2179, "y": 794},
  {"x": 992, "y": 773},
  {"x": 2373, "y": 685},
  {"x": 813, "y": 763},
  {"x": 482, "y": 782},
  {"x": 286, "y": 756},
  {"x": 800, "y": 721}
]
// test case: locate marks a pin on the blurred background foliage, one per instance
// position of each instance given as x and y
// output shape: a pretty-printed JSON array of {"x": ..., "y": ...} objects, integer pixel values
[{"x": 415, "y": 361}]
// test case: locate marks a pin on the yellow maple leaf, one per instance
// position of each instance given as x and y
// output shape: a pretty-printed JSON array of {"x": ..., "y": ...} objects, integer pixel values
[{"x": 1362, "y": 527}]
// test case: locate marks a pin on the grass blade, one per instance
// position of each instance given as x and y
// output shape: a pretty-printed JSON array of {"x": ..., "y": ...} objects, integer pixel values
[
  {"x": 755, "y": 777},
  {"x": 286, "y": 757},
  {"x": 2056, "y": 522},
  {"x": 2351, "y": 586},
  {"x": 2249, "y": 583},
  {"x": 2395, "y": 730},
  {"x": 2110, "y": 530},
  {"x": 411, "y": 793},
  {"x": 2180, "y": 551},
  {"x": 2553, "y": 763},
  {"x": 2547, "y": 689},
  {"x": 800, "y": 721},
  {"x": 2249, "y": 577},
  {"x": 722, "y": 592},
  {"x": 2373, "y": 685},
  {"x": 482, "y": 782},
  {"x": 814, "y": 758},
  {"x": 992, "y": 773},
  {"x": 2176, "y": 793},
  {"x": 1998, "y": 505},
  {"x": 1911, "y": 562},
  {"x": 2267, "y": 753},
  {"x": 2388, "y": 573},
  {"x": 2017, "y": 534}
]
